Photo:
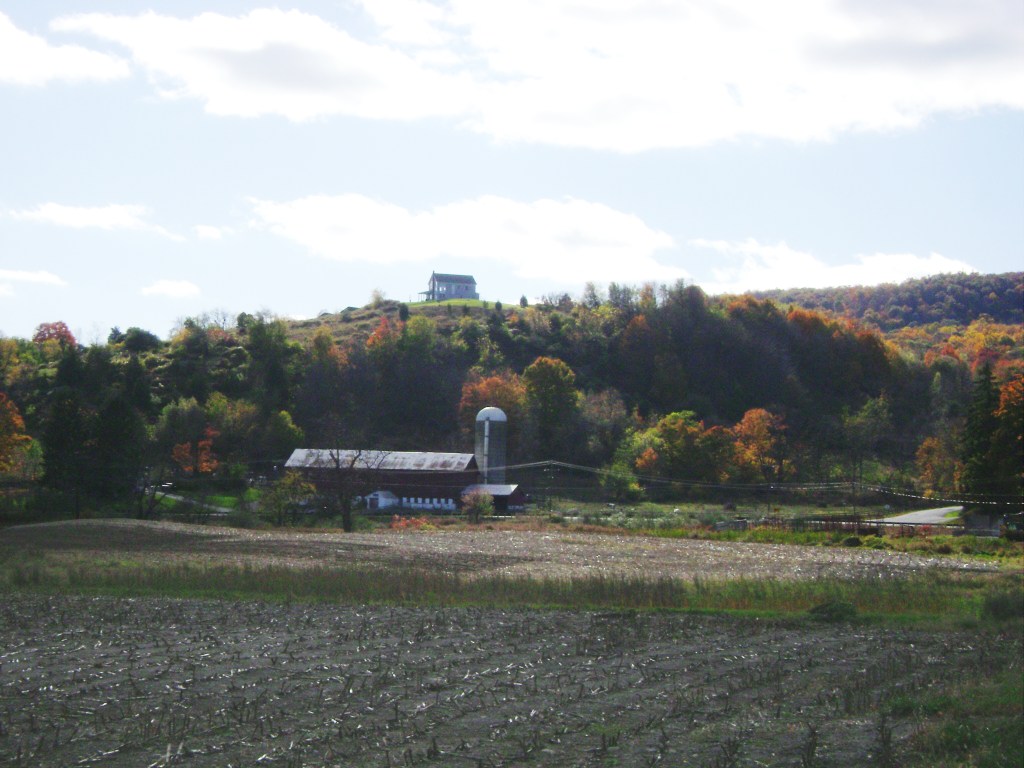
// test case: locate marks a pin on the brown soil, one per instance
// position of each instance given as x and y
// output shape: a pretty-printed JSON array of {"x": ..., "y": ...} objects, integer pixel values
[
  {"x": 160, "y": 682},
  {"x": 518, "y": 553}
]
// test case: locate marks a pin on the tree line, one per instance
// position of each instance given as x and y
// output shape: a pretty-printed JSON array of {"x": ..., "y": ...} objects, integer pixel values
[
  {"x": 647, "y": 382},
  {"x": 944, "y": 299}
]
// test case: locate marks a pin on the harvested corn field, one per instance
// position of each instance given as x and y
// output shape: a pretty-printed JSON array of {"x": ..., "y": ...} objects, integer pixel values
[{"x": 151, "y": 682}]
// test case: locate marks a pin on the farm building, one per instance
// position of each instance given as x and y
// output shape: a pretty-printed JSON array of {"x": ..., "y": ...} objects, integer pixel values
[
  {"x": 507, "y": 498},
  {"x": 419, "y": 480},
  {"x": 406, "y": 479},
  {"x": 445, "y": 286}
]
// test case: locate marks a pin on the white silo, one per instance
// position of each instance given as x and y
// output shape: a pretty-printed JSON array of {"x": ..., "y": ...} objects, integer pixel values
[{"x": 492, "y": 444}]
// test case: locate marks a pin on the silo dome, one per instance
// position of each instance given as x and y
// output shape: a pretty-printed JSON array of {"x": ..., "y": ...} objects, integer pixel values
[
  {"x": 491, "y": 444},
  {"x": 491, "y": 413}
]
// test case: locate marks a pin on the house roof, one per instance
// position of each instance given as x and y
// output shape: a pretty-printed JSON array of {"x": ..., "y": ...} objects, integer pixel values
[
  {"x": 405, "y": 461},
  {"x": 442, "y": 277}
]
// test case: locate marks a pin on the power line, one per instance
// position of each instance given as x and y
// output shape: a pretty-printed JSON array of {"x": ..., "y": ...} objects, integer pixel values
[{"x": 852, "y": 485}]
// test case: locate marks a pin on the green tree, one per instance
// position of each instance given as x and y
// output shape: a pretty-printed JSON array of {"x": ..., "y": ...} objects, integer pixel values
[
  {"x": 120, "y": 448},
  {"x": 137, "y": 387},
  {"x": 280, "y": 436},
  {"x": 285, "y": 498},
  {"x": 681, "y": 447},
  {"x": 181, "y": 434},
  {"x": 980, "y": 476},
  {"x": 271, "y": 354},
  {"x": 139, "y": 340},
  {"x": 553, "y": 402},
  {"x": 68, "y": 447},
  {"x": 864, "y": 433}
]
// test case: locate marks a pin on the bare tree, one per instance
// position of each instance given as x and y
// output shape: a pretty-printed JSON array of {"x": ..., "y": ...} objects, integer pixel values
[{"x": 348, "y": 473}]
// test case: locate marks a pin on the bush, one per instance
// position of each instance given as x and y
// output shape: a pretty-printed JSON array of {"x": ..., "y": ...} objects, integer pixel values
[
  {"x": 477, "y": 504},
  {"x": 852, "y": 541}
]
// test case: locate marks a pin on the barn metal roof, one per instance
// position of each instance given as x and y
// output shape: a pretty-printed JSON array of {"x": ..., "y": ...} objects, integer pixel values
[
  {"x": 494, "y": 489},
  {"x": 405, "y": 461}
]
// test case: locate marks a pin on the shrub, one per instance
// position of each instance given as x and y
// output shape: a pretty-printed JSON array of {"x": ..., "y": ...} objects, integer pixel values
[
  {"x": 477, "y": 504},
  {"x": 852, "y": 541}
]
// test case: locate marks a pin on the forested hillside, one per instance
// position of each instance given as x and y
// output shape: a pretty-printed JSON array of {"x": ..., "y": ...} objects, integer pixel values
[
  {"x": 944, "y": 299},
  {"x": 646, "y": 383}
]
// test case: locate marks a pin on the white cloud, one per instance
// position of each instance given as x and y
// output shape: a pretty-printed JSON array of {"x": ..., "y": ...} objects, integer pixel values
[
  {"x": 751, "y": 266},
  {"x": 560, "y": 240},
  {"x": 22, "y": 276},
  {"x": 276, "y": 62},
  {"x": 27, "y": 59},
  {"x": 413, "y": 22},
  {"x": 173, "y": 289},
  {"x": 209, "y": 232},
  {"x": 623, "y": 75},
  {"x": 39, "y": 277},
  {"x": 107, "y": 217}
]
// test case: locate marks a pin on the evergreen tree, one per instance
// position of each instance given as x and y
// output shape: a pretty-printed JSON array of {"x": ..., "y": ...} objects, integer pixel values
[
  {"x": 979, "y": 472},
  {"x": 68, "y": 446},
  {"x": 120, "y": 448}
]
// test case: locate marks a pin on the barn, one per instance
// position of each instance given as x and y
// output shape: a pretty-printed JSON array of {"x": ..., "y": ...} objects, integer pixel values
[{"x": 418, "y": 479}]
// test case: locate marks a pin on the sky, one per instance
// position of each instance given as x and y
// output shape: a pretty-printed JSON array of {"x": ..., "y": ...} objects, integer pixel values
[{"x": 161, "y": 160}]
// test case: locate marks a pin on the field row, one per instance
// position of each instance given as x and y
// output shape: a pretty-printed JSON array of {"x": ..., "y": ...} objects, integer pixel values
[{"x": 129, "y": 682}]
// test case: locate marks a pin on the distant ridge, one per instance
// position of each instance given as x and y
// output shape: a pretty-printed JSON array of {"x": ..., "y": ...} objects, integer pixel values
[{"x": 956, "y": 299}]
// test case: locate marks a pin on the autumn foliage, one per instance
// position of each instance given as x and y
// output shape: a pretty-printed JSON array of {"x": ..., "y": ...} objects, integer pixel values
[
  {"x": 12, "y": 432},
  {"x": 659, "y": 383},
  {"x": 197, "y": 457},
  {"x": 57, "y": 331}
]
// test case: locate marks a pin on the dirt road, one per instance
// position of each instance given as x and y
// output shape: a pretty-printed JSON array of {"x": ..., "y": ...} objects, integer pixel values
[{"x": 937, "y": 516}]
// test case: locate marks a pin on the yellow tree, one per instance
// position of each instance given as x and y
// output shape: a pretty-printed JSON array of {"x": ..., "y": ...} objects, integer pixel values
[
  {"x": 286, "y": 497},
  {"x": 12, "y": 432}
]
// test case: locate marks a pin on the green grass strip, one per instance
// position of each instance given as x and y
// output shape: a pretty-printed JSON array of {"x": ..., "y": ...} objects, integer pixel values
[{"x": 933, "y": 596}]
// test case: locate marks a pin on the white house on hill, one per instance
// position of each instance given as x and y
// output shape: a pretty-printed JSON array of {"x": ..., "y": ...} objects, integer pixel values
[{"x": 444, "y": 286}]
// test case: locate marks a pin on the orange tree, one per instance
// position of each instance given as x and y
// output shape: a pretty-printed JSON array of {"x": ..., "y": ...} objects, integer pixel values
[{"x": 760, "y": 446}]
